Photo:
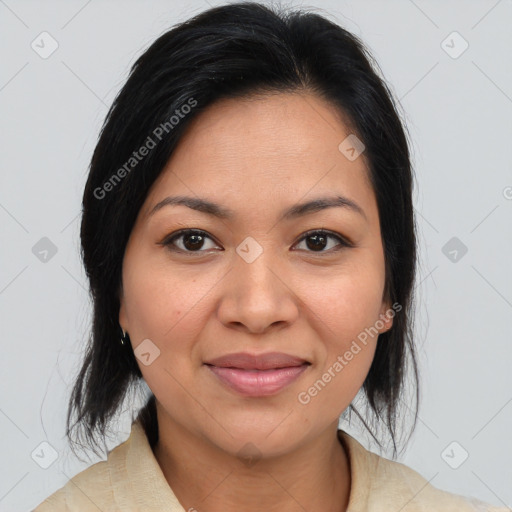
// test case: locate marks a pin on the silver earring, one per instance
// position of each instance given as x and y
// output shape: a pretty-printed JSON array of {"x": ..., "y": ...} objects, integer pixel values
[{"x": 123, "y": 338}]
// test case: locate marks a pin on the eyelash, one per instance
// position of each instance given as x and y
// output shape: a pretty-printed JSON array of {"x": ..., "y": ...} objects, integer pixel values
[{"x": 168, "y": 241}]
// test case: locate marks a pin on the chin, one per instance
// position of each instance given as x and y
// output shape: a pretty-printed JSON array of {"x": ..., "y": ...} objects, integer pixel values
[{"x": 248, "y": 437}]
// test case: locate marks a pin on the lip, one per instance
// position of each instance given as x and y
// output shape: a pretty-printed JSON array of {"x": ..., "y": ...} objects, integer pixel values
[
  {"x": 247, "y": 361},
  {"x": 257, "y": 375}
]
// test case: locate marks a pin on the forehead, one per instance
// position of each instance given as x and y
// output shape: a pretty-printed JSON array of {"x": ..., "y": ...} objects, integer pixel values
[
  {"x": 273, "y": 127},
  {"x": 264, "y": 150}
]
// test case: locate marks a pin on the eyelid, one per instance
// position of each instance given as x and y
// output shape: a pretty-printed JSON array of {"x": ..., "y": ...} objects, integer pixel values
[{"x": 344, "y": 242}]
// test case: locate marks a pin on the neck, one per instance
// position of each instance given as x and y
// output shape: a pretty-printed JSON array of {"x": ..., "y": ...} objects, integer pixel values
[{"x": 314, "y": 477}]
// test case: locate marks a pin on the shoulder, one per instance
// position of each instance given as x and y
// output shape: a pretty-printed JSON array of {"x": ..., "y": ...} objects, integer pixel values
[
  {"x": 130, "y": 479},
  {"x": 79, "y": 491},
  {"x": 397, "y": 483},
  {"x": 95, "y": 487},
  {"x": 380, "y": 485}
]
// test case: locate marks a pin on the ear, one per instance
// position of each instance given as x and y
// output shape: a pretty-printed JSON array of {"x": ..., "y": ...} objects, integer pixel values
[
  {"x": 386, "y": 316},
  {"x": 123, "y": 318}
]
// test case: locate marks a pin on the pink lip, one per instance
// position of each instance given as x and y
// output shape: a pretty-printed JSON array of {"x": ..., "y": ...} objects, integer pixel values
[
  {"x": 247, "y": 361},
  {"x": 257, "y": 375},
  {"x": 257, "y": 382}
]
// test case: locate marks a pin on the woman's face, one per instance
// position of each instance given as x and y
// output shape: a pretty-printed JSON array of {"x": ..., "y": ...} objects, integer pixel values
[{"x": 252, "y": 282}]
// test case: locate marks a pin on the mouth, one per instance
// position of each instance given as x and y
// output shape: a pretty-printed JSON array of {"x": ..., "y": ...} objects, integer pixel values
[{"x": 257, "y": 375}]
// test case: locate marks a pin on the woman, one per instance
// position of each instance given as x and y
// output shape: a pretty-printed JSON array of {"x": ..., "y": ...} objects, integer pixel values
[{"x": 248, "y": 233}]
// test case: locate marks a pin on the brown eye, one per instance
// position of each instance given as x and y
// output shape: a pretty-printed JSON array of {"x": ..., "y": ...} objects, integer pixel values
[
  {"x": 194, "y": 241},
  {"x": 317, "y": 241},
  {"x": 189, "y": 241}
]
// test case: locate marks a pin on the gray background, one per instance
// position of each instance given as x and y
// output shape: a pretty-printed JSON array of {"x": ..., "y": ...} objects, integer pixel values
[{"x": 458, "y": 111}]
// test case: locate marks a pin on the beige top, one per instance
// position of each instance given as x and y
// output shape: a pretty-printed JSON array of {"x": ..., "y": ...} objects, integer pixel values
[{"x": 131, "y": 480}]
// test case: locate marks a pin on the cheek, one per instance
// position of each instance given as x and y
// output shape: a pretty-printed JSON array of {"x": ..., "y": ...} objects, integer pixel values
[
  {"x": 335, "y": 386},
  {"x": 151, "y": 303},
  {"x": 349, "y": 302},
  {"x": 163, "y": 307},
  {"x": 161, "y": 304},
  {"x": 348, "y": 306}
]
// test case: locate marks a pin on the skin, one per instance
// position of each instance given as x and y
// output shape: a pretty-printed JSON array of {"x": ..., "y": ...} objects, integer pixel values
[{"x": 256, "y": 157}]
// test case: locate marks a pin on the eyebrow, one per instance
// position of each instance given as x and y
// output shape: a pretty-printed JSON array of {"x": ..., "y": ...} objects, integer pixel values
[{"x": 299, "y": 210}]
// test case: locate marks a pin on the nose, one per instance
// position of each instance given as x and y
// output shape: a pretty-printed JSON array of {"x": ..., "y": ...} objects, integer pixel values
[{"x": 257, "y": 296}]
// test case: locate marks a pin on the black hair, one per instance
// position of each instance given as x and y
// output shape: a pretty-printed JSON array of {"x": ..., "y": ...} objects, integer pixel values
[{"x": 235, "y": 51}]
